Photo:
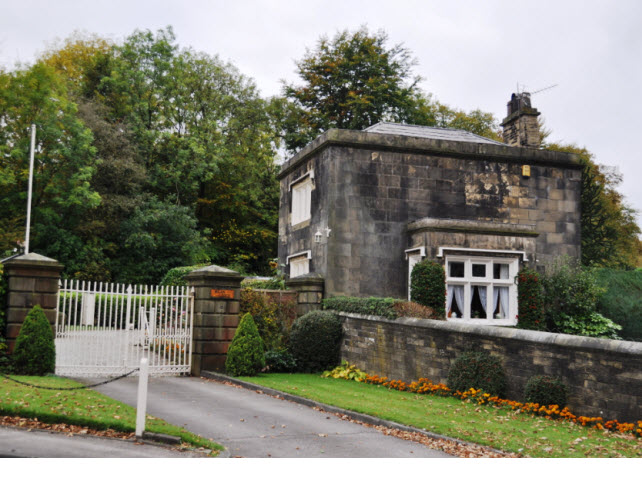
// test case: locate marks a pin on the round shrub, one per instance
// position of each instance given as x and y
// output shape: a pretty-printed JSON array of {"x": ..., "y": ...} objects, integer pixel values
[
  {"x": 279, "y": 361},
  {"x": 315, "y": 341},
  {"x": 246, "y": 355},
  {"x": 428, "y": 286},
  {"x": 477, "y": 370},
  {"x": 546, "y": 390},
  {"x": 35, "y": 350}
]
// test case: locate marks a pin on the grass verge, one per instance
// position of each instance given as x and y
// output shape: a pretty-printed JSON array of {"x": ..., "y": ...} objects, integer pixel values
[
  {"x": 500, "y": 428},
  {"x": 86, "y": 408}
]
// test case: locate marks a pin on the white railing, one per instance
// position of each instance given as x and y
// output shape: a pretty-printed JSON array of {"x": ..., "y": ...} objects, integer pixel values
[{"x": 106, "y": 328}]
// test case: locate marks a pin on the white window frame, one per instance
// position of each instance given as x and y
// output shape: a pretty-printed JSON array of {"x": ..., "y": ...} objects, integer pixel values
[
  {"x": 414, "y": 256},
  {"x": 468, "y": 282},
  {"x": 301, "y": 190},
  {"x": 299, "y": 263}
]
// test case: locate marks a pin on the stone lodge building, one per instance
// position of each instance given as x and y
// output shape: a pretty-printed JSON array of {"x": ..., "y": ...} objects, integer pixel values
[{"x": 360, "y": 208}]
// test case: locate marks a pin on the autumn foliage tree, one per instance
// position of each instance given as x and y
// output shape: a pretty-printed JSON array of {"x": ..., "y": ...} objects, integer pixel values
[
  {"x": 149, "y": 156},
  {"x": 608, "y": 224},
  {"x": 357, "y": 79},
  {"x": 350, "y": 81}
]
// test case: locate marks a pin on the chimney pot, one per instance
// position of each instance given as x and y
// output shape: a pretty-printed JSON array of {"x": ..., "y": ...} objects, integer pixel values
[{"x": 521, "y": 128}]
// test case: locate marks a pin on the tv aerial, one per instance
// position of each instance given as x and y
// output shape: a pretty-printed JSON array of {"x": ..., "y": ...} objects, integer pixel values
[{"x": 521, "y": 89}]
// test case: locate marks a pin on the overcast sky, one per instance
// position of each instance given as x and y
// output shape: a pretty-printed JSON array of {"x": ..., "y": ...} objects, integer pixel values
[{"x": 472, "y": 54}]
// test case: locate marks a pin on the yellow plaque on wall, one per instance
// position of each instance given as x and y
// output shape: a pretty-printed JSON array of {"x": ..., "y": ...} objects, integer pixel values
[{"x": 526, "y": 170}]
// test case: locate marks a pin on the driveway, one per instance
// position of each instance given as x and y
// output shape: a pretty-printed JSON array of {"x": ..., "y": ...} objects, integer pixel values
[
  {"x": 250, "y": 424},
  {"x": 23, "y": 443}
]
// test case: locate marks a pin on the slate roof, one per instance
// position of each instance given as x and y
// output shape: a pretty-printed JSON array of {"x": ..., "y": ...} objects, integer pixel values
[{"x": 436, "y": 133}]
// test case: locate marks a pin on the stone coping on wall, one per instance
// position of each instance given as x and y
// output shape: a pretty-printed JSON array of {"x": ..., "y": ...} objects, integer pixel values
[
  {"x": 34, "y": 260},
  {"x": 429, "y": 146},
  {"x": 560, "y": 339},
  {"x": 472, "y": 226},
  {"x": 308, "y": 279}
]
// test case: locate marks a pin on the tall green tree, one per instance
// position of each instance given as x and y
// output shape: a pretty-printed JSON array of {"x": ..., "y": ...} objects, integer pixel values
[
  {"x": 350, "y": 81},
  {"x": 65, "y": 161},
  {"x": 610, "y": 233},
  {"x": 205, "y": 138},
  {"x": 355, "y": 80}
]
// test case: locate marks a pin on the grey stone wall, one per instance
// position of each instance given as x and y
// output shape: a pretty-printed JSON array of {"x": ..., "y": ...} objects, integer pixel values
[
  {"x": 604, "y": 376},
  {"x": 368, "y": 187},
  {"x": 309, "y": 292}
]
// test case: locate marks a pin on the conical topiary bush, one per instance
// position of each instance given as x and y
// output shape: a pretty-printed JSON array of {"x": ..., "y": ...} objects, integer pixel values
[
  {"x": 35, "y": 350},
  {"x": 246, "y": 355}
]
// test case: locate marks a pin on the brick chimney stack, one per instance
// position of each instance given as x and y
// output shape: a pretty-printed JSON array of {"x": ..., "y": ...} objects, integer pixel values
[{"x": 521, "y": 128}]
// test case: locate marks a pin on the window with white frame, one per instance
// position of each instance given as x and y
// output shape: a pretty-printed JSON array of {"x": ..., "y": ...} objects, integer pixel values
[
  {"x": 299, "y": 264},
  {"x": 301, "y": 199},
  {"x": 481, "y": 289}
]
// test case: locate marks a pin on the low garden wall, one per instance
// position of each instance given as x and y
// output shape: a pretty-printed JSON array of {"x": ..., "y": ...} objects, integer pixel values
[{"x": 604, "y": 376}]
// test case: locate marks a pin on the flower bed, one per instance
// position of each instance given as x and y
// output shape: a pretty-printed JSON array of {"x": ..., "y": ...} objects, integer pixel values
[{"x": 425, "y": 386}]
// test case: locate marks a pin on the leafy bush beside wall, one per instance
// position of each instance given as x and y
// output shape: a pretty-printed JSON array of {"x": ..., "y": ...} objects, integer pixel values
[
  {"x": 390, "y": 308},
  {"x": 428, "y": 286},
  {"x": 176, "y": 276},
  {"x": 478, "y": 370},
  {"x": 274, "y": 283},
  {"x": 35, "y": 351},
  {"x": 546, "y": 390},
  {"x": 246, "y": 355},
  {"x": 530, "y": 300},
  {"x": 382, "y": 307},
  {"x": 622, "y": 300},
  {"x": 273, "y": 316},
  {"x": 571, "y": 293},
  {"x": 315, "y": 341},
  {"x": 564, "y": 299}
]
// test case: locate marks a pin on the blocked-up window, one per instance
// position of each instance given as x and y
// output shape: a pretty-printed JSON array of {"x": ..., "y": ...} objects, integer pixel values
[
  {"x": 299, "y": 266},
  {"x": 301, "y": 200}
]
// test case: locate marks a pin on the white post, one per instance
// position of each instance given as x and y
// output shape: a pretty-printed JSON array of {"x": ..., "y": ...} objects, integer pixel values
[
  {"x": 33, "y": 147},
  {"x": 128, "y": 308},
  {"x": 141, "y": 404}
]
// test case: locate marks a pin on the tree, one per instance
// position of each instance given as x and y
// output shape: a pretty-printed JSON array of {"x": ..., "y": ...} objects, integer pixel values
[
  {"x": 476, "y": 121},
  {"x": 608, "y": 225},
  {"x": 65, "y": 160},
  {"x": 161, "y": 122},
  {"x": 159, "y": 236},
  {"x": 351, "y": 81},
  {"x": 78, "y": 59},
  {"x": 205, "y": 138},
  {"x": 355, "y": 80}
]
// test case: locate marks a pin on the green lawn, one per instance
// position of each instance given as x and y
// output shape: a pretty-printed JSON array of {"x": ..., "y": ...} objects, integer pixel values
[
  {"x": 499, "y": 428},
  {"x": 85, "y": 408}
]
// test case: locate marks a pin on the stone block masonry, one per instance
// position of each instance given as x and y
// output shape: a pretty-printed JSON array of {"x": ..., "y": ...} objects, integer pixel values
[
  {"x": 216, "y": 315},
  {"x": 32, "y": 280},
  {"x": 370, "y": 189},
  {"x": 604, "y": 376}
]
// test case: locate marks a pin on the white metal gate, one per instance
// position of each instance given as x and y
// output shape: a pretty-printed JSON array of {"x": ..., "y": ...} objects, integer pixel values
[{"x": 104, "y": 329}]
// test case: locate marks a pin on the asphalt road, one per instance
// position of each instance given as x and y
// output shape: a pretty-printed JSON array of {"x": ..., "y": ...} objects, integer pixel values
[
  {"x": 250, "y": 424},
  {"x": 22, "y": 443}
]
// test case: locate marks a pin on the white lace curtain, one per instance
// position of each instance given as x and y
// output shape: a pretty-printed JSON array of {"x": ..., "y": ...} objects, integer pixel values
[
  {"x": 500, "y": 295},
  {"x": 455, "y": 292}
]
